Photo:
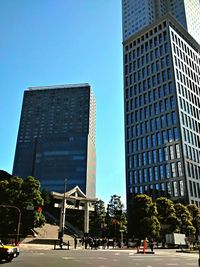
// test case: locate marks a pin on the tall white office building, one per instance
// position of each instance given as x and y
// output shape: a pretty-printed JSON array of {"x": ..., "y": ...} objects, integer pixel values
[{"x": 162, "y": 100}]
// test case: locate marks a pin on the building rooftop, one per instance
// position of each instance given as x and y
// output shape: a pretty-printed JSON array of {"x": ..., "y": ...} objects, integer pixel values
[{"x": 58, "y": 86}]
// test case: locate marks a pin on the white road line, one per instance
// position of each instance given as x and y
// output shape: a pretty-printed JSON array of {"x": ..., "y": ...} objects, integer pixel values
[
  {"x": 172, "y": 264},
  {"x": 68, "y": 258}
]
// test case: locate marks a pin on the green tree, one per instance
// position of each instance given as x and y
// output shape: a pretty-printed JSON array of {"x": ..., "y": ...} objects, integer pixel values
[
  {"x": 145, "y": 222},
  {"x": 15, "y": 191},
  {"x": 115, "y": 217},
  {"x": 31, "y": 195},
  {"x": 97, "y": 220},
  {"x": 195, "y": 214},
  {"x": 167, "y": 216},
  {"x": 185, "y": 219}
]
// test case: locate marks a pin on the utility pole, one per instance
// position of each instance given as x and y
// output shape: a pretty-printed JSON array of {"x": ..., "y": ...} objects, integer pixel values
[{"x": 62, "y": 217}]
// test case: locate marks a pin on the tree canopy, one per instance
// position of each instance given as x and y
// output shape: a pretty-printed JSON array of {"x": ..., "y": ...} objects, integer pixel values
[
  {"x": 166, "y": 216},
  {"x": 146, "y": 223},
  {"x": 115, "y": 217},
  {"x": 19, "y": 193}
]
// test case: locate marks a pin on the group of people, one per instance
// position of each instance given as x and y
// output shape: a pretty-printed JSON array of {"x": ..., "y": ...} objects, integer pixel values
[{"x": 95, "y": 243}]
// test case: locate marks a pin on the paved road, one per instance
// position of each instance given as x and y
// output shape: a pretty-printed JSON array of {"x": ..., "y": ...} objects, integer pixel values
[{"x": 102, "y": 258}]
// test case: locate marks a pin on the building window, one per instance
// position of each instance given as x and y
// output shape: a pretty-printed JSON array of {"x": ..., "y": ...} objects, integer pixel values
[
  {"x": 173, "y": 170},
  {"x": 145, "y": 175},
  {"x": 171, "y": 152},
  {"x": 181, "y": 186},
  {"x": 170, "y": 136},
  {"x": 164, "y": 137},
  {"x": 149, "y": 157},
  {"x": 177, "y": 147},
  {"x": 175, "y": 187},
  {"x": 154, "y": 156},
  {"x": 169, "y": 190},
  {"x": 150, "y": 175},
  {"x": 191, "y": 189},
  {"x": 161, "y": 169},
  {"x": 167, "y": 170},
  {"x": 156, "y": 173},
  {"x": 180, "y": 173},
  {"x": 153, "y": 140},
  {"x": 176, "y": 134}
]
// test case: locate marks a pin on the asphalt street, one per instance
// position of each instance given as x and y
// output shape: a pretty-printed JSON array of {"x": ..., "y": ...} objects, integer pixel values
[{"x": 102, "y": 258}]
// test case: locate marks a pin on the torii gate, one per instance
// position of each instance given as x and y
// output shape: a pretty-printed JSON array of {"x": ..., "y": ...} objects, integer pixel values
[{"x": 74, "y": 195}]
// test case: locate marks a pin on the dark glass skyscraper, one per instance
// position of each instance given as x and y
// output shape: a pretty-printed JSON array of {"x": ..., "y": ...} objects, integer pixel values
[
  {"x": 162, "y": 100},
  {"x": 56, "y": 138}
]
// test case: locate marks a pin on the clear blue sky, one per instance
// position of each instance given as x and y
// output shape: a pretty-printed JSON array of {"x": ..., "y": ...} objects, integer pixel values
[{"x": 53, "y": 42}]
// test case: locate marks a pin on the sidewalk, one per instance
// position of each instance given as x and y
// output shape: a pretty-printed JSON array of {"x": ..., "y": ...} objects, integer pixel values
[
  {"x": 43, "y": 247},
  {"x": 27, "y": 247}
]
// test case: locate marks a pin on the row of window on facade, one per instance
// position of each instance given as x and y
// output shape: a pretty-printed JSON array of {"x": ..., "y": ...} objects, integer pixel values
[
  {"x": 158, "y": 38},
  {"x": 169, "y": 189},
  {"x": 191, "y": 137},
  {"x": 154, "y": 156},
  {"x": 194, "y": 189},
  {"x": 158, "y": 155},
  {"x": 193, "y": 171},
  {"x": 186, "y": 69},
  {"x": 150, "y": 82},
  {"x": 192, "y": 153},
  {"x": 149, "y": 63},
  {"x": 140, "y": 69},
  {"x": 157, "y": 123},
  {"x": 187, "y": 80},
  {"x": 190, "y": 92},
  {"x": 152, "y": 94},
  {"x": 165, "y": 136},
  {"x": 154, "y": 109},
  {"x": 184, "y": 48},
  {"x": 156, "y": 173},
  {"x": 36, "y": 101},
  {"x": 192, "y": 72},
  {"x": 189, "y": 108},
  {"x": 154, "y": 80}
]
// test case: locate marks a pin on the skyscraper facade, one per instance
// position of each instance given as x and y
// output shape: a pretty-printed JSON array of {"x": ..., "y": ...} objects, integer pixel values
[
  {"x": 56, "y": 138},
  {"x": 162, "y": 106},
  {"x": 138, "y": 14}
]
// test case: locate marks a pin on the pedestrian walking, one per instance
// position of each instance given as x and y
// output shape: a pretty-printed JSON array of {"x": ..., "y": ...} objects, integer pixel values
[
  {"x": 144, "y": 246},
  {"x": 138, "y": 245},
  {"x": 151, "y": 244}
]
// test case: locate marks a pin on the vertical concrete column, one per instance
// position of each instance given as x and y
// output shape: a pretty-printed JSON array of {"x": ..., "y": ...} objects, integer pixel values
[{"x": 86, "y": 217}]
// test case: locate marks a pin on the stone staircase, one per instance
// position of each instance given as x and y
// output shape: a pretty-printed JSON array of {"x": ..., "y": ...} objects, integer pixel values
[{"x": 47, "y": 234}]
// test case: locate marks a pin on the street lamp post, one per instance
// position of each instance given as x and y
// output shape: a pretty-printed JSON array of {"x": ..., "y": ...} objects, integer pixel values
[{"x": 19, "y": 218}]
